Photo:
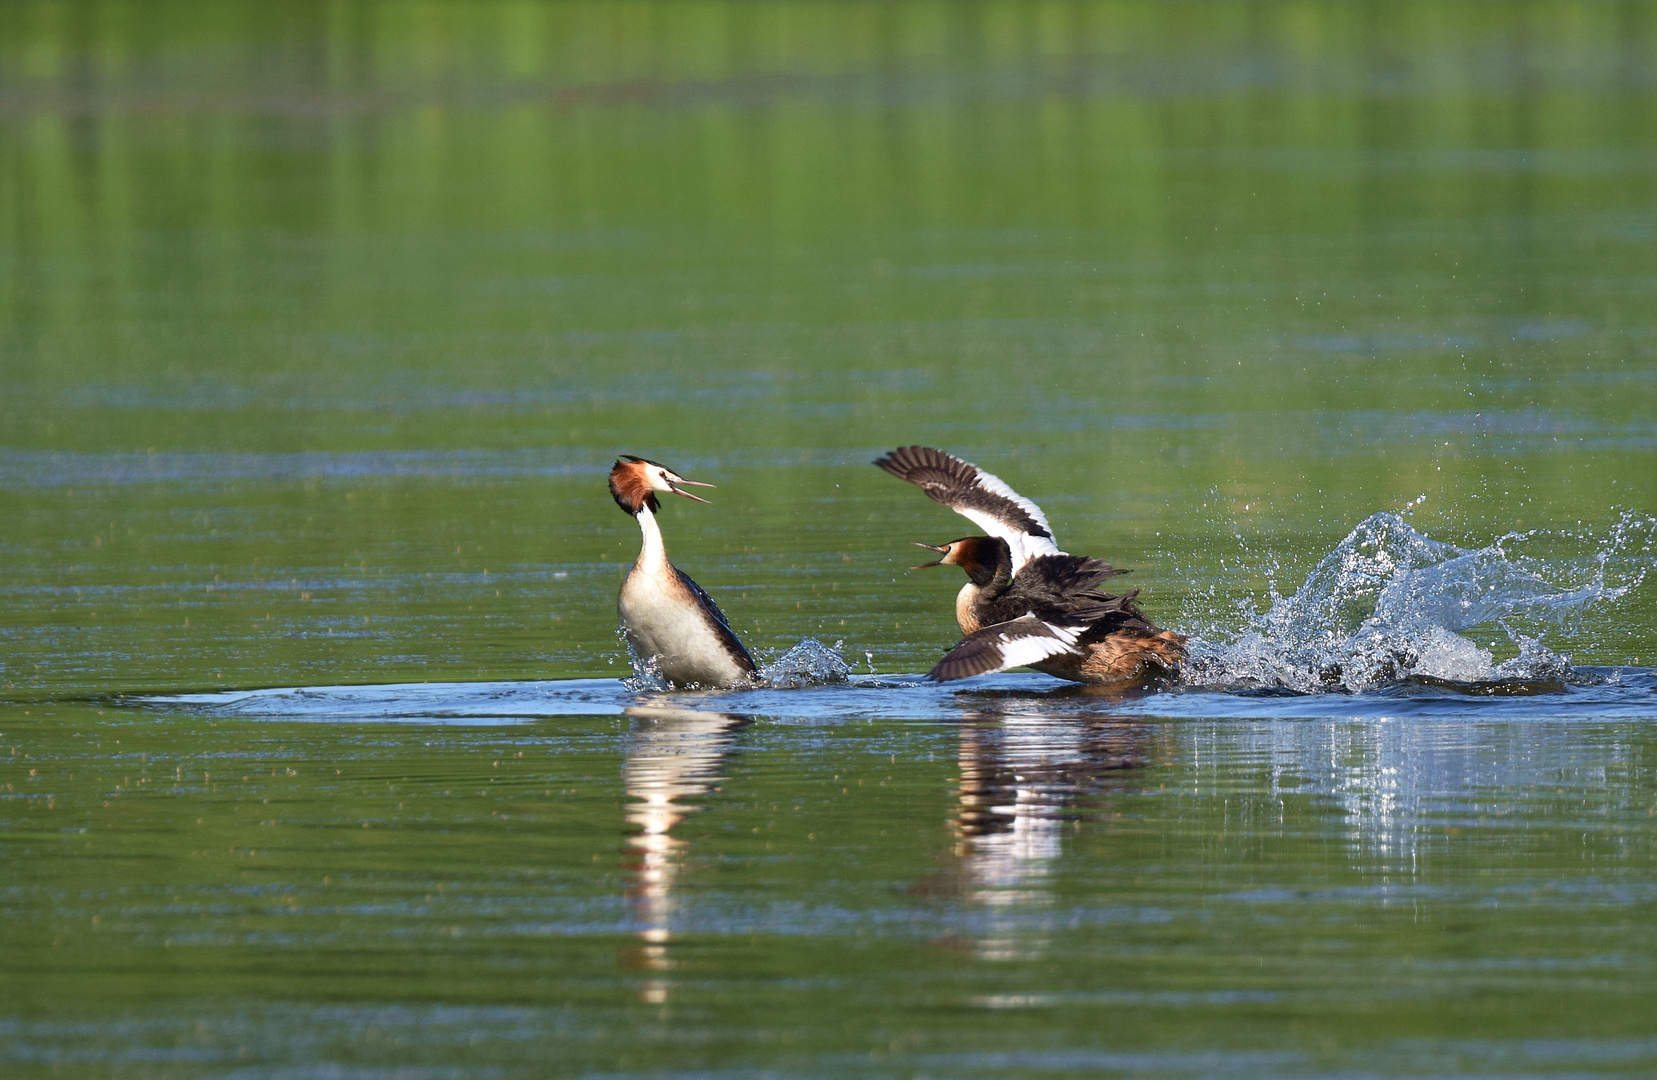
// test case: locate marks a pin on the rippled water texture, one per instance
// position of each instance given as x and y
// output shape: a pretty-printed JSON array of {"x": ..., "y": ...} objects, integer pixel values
[{"x": 321, "y": 323}]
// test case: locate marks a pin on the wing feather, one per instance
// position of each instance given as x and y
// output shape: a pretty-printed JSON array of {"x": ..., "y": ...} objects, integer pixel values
[
  {"x": 980, "y": 497},
  {"x": 1015, "y": 643}
]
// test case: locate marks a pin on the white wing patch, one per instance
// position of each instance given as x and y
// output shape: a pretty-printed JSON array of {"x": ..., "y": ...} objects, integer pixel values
[
  {"x": 1023, "y": 546},
  {"x": 1016, "y": 643},
  {"x": 1019, "y": 650},
  {"x": 982, "y": 498},
  {"x": 997, "y": 486}
]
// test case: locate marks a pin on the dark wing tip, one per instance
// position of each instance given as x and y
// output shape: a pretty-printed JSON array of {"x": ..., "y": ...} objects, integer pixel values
[
  {"x": 971, "y": 657},
  {"x": 908, "y": 462},
  {"x": 944, "y": 477},
  {"x": 964, "y": 488}
]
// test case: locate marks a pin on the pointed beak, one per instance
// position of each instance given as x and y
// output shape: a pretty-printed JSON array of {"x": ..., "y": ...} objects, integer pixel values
[
  {"x": 677, "y": 480},
  {"x": 934, "y": 562}
]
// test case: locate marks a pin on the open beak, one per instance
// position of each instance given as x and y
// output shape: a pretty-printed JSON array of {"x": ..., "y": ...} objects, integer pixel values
[
  {"x": 677, "y": 480},
  {"x": 934, "y": 562}
]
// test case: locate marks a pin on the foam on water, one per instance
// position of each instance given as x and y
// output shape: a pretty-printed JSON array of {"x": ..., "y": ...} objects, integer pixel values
[{"x": 1390, "y": 603}]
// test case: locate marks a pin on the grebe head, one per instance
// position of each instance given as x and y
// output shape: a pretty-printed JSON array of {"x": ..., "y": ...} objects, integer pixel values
[
  {"x": 634, "y": 482},
  {"x": 979, "y": 556}
]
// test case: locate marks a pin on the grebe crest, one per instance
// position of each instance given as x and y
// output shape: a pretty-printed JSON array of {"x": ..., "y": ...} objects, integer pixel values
[{"x": 634, "y": 482}]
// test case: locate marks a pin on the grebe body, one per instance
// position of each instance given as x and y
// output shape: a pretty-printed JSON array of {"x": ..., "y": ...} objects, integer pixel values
[
  {"x": 670, "y": 621},
  {"x": 1027, "y": 603}
]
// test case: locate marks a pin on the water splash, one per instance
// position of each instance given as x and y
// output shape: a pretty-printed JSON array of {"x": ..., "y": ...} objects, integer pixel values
[
  {"x": 647, "y": 676},
  {"x": 1390, "y": 603},
  {"x": 807, "y": 663}
]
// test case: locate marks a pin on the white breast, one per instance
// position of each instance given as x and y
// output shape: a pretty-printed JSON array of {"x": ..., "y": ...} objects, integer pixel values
[{"x": 664, "y": 621}]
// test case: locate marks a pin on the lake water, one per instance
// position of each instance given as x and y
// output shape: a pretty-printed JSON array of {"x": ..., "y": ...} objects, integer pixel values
[{"x": 320, "y": 325}]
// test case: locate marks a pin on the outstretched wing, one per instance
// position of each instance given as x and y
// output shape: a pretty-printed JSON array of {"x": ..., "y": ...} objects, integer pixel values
[
  {"x": 1016, "y": 643},
  {"x": 979, "y": 497}
]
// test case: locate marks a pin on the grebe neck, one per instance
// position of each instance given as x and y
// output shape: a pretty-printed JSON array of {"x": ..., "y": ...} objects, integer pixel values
[{"x": 653, "y": 553}]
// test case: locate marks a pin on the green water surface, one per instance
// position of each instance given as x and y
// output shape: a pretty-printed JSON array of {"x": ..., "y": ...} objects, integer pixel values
[{"x": 321, "y": 322}]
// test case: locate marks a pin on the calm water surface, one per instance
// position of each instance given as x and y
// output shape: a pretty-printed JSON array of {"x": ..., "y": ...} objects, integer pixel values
[{"x": 320, "y": 325}]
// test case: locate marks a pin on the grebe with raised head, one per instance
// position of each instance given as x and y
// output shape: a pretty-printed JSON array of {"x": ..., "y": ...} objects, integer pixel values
[
  {"x": 1026, "y": 603},
  {"x": 670, "y": 621}
]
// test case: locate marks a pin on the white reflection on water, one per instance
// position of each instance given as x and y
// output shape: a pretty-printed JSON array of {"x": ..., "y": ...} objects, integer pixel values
[
  {"x": 673, "y": 756},
  {"x": 1396, "y": 764},
  {"x": 1022, "y": 781},
  {"x": 1397, "y": 781}
]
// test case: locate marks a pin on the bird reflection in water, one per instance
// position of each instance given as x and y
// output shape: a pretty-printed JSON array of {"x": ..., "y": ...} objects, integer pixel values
[
  {"x": 1025, "y": 780},
  {"x": 673, "y": 756}
]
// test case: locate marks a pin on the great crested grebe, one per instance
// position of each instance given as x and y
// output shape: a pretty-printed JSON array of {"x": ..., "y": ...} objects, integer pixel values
[
  {"x": 669, "y": 620},
  {"x": 1026, "y": 603}
]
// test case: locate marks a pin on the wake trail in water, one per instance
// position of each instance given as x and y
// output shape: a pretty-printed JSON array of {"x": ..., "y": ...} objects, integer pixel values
[{"x": 1390, "y": 604}]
